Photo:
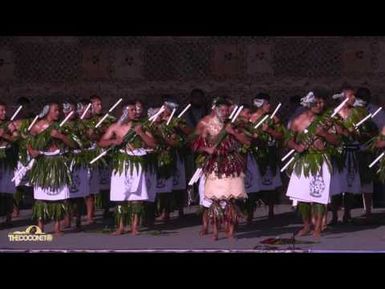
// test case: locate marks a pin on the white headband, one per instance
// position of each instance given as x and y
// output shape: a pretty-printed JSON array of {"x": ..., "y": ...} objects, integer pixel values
[
  {"x": 152, "y": 111},
  {"x": 308, "y": 100},
  {"x": 44, "y": 112},
  {"x": 359, "y": 102},
  {"x": 171, "y": 104},
  {"x": 258, "y": 102}
]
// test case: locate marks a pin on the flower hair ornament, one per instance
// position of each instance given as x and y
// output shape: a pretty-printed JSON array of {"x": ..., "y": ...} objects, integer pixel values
[
  {"x": 44, "y": 111},
  {"x": 124, "y": 115},
  {"x": 152, "y": 111},
  {"x": 308, "y": 100},
  {"x": 79, "y": 107},
  {"x": 171, "y": 105},
  {"x": 258, "y": 102},
  {"x": 359, "y": 102}
]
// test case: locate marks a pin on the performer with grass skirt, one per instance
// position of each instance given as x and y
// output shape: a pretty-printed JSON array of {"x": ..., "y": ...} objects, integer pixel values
[
  {"x": 50, "y": 174},
  {"x": 130, "y": 179}
]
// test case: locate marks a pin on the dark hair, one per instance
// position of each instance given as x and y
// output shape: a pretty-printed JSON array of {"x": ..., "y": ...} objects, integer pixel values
[
  {"x": 196, "y": 91},
  {"x": 23, "y": 101},
  {"x": 84, "y": 101},
  {"x": 363, "y": 93},
  {"x": 246, "y": 105},
  {"x": 130, "y": 102},
  {"x": 138, "y": 100},
  {"x": 2, "y": 103},
  {"x": 321, "y": 92},
  {"x": 94, "y": 96},
  {"x": 222, "y": 101},
  {"x": 263, "y": 95}
]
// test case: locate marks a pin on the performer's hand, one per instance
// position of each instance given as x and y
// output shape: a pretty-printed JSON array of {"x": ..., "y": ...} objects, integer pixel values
[
  {"x": 320, "y": 131},
  {"x": 117, "y": 141},
  {"x": 300, "y": 148},
  {"x": 138, "y": 129},
  {"x": 230, "y": 129},
  {"x": 265, "y": 127},
  {"x": 33, "y": 153},
  {"x": 210, "y": 150},
  {"x": 1, "y": 132},
  {"x": 56, "y": 134}
]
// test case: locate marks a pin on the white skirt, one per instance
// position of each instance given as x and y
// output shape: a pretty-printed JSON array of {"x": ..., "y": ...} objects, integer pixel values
[
  {"x": 20, "y": 178},
  {"x": 252, "y": 183},
  {"x": 179, "y": 178},
  {"x": 129, "y": 187},
  {"x": 6, "y": 184},
  {"x": 51, "y": 195},
  {"x": 203, "y": 201},
  {"x": 310, "y": 189},
  {"x": 80, "y": 183}
]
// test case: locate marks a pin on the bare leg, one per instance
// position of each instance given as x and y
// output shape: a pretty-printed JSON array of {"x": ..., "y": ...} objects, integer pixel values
[
  {"x": 205, "y": 222},
  {"x": 90, "y": 204},
  {"x": 134, "y": 226},
  {"x": 305, "y": 210},
  {"x": 120, "y": 230},
  {"x": 368, "y": 201},
  {"x": 57, "y": 228},
  {"x": 40, "y": 224},
  {"x": 215, "y": 229}
]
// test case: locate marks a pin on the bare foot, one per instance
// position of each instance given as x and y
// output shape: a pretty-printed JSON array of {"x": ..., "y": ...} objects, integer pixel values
[
  {"x": 118, "y": 232},
  {"x": 215, "y": 237},
  {"x": 203, "y": 232},
  {"x": 317, "y": 234},
  {"x": 135, "y": 232},
  {"x": 304, "y": 231}
]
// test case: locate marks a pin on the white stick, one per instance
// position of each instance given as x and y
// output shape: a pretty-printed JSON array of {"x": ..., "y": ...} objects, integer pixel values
[
  {"x": 157, "y": 114},
  {"x": 98, "y": 157},
  {"x": 363, "y": 120},
  {"x": 115, "y": 105},
  {"x": 84, "y": 113},
  {"x": 100, "y": 121},
  {"x": 233, "y": 112},
  {"x": 263, "y": 119},
  {"x": 288, "y": 155},
  {"x": 171, "y": 115},
  {"x": 213, "y": 107},
  {"x": 195, "y": 176},
  {"x": 377, "y": 111},
  {"x": 288, "y": 163},
  {"x": 67, "y": 118},
  {"x": 377, "y": 159},
  {"x": 183, "y": 111},
  {"x": 16, "y": 112},
  {"x": 237, "y": 113},
  {"x": 33, "y": 122},
  {"x": 338, "y": 108},
  {"x": 275, "y": 111}
]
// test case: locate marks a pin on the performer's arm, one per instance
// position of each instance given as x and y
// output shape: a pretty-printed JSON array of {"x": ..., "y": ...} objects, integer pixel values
[
  {"x": 241, "y": 137},
  {"x": 273, "y": 132},
  {"x": 108, "y": 138},
  {"x": 330, "y": 138},
  {"x": 56, "y": 134},
  {"x": 145, "y": 136}
]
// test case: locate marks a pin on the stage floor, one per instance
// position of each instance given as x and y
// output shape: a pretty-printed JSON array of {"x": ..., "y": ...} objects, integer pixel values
[{"x": 182, "y": 235}]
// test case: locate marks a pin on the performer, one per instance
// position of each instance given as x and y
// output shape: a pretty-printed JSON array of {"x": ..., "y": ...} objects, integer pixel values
[
  {"x": 266, "y": 151},
  {"x": 102, "y": 171},
  {"x": 366, "y": 155},
  {"x": 129, "y": 179},
  {"x": 224, "y": 167},
  {"x": 311, "y": 167},
  {"x": 8, "y": 163},
  {"x": 352, "y": 176},
  {"x": 50, "y": 174},
  {"x": 178, "y": 131},
  {"x": 166, "y": 139}
]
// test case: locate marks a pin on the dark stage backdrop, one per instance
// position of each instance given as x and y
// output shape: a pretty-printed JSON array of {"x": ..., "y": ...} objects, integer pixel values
[{"x": 147, "y": 67}]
